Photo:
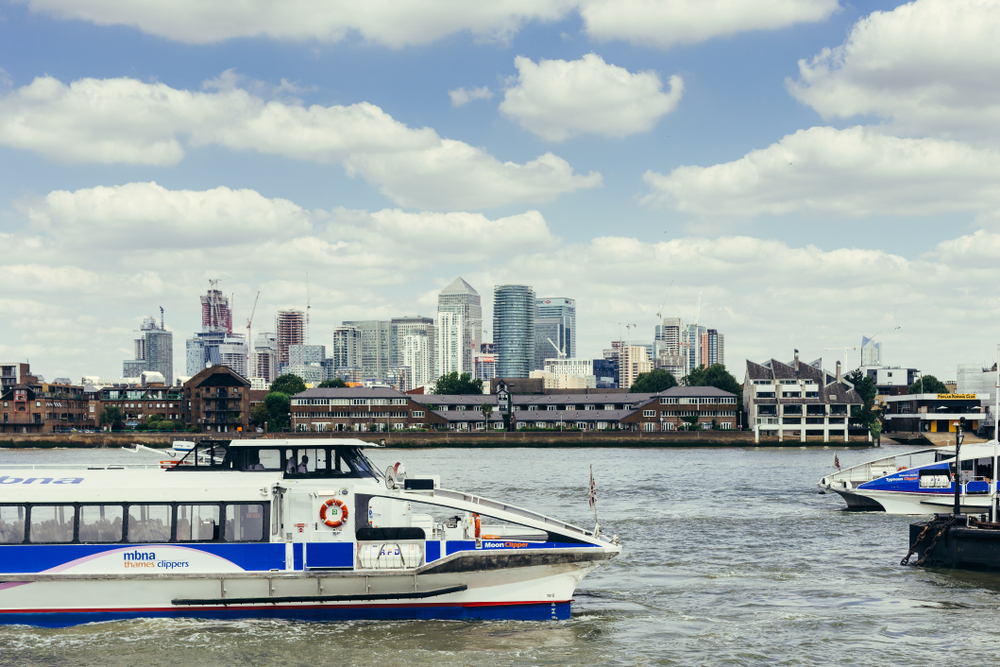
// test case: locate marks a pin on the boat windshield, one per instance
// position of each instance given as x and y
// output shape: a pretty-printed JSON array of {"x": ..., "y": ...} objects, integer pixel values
[{"x": 356, "y": 458}]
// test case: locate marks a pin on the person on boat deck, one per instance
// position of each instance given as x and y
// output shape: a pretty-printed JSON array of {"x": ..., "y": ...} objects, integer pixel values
[
  {"x": 303, "y": 465},
  {"x": 253, "y": 461}
]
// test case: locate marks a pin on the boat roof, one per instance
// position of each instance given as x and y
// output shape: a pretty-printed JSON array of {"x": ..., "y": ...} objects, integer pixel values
[{"x": 297, "y": 442}]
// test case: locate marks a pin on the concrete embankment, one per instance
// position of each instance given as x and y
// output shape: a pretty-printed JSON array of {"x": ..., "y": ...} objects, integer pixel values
[{"x": 449, "y": 439}]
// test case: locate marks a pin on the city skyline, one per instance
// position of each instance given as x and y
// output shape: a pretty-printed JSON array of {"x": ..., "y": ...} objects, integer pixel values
[{"x": 837, "y": 184}]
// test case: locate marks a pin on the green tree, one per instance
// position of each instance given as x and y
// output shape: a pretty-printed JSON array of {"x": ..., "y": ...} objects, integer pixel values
[
  {"x": 259, "y": 415},
  {"x": 277, "y": 404},
  {"x": 335, "y": 383},
  {"x": 112, "y": 416},
  {"x": 454, "y": 384},
  {"x": 653, "y": 382},
  {"x": 930, "y": 385},
  {"x": 153, "y": 419},
  {"x": 164, "y": 425},
  {"x": 716, "y": 376},
  {"x": 487, "y": 413},
  {"x": 866, "y": 413},
  {"x": 288, "y": 384}
]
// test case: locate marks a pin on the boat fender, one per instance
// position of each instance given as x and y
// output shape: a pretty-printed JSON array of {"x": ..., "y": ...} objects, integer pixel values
[{"x": 334, "y": 521}]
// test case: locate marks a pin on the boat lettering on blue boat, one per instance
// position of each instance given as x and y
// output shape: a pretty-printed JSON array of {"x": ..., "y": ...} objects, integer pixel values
[{"x": 6, "y": 479}]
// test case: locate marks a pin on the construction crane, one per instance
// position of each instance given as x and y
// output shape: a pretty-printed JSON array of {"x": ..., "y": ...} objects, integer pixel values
[
  {"x": 659, "y": 311},
  {"x": 249, "y": 339},
  {"x": 562, "y": 354}
]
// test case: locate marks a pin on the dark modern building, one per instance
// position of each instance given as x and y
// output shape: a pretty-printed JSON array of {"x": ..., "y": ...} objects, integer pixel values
[{"x": 555, "y": 321}]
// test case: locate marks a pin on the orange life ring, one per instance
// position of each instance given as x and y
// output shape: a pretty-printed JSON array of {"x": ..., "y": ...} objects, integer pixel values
[
  {"x": 333, "y": 523},
  {"x": 900, "y": 468},
  {"x": 476, "y": 516}
]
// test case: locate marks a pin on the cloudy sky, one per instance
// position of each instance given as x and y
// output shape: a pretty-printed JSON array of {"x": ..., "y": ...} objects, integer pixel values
[{"x": 814, "y": 170}]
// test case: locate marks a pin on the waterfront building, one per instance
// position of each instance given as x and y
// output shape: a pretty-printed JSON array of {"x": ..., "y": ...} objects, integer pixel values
[
  {"x": 290, "y": 326},
  {"x": 935, "y": 413},
  {"x": 12, "y": 373},
  {"x": 797, "y": 400},
  {"x": 359, "y": 409},
  {"x": 555, "y": 329},
  {"x": 514, "y": 330},
  {"x": 461, "y": 299},
  {"x": 583, "y": 369},
  {"x": 375, "y": 337},
  {"x": 217, "y": 400},
  {"x": 34, "y": 406}
]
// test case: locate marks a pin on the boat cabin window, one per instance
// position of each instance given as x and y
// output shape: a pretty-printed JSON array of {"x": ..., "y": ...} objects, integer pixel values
[
  {"x": 149, "y": 523},
  {"x": 101, "y": 523},
  {"x": 52, "y": 523},
  {"x": 206, "y": 455},
  {"x": 306, "y": 461},
  {"x": 12, "y": 524},
  {"x": 197, "y": 523},
  {"x": 260, "y": 459},
  {"x": 244, "y": 523}
]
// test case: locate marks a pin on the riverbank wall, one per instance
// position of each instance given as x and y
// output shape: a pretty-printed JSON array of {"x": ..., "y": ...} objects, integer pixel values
[{"x": 449, "y": 439}]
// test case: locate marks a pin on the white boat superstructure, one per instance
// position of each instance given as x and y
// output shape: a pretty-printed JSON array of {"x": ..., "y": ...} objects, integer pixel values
[{"x": 288, "y": 528}]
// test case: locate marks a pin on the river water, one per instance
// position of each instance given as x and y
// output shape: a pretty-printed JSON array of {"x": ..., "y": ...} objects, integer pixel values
[{"x": 731, "y": 557}]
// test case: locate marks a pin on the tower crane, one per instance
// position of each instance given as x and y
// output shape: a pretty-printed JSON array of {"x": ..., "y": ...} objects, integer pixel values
[
  {"x": 250, "y": 370},
  {"x": 659, "y": 311},
  {"x": 561, "y": 353},
  {"x": 838, "y": 349}
]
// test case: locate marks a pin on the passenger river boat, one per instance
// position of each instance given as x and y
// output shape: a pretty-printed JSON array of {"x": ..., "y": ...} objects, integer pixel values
[
  {"x": 300, "y": 529},
  {"x": 921, "y": 481}
]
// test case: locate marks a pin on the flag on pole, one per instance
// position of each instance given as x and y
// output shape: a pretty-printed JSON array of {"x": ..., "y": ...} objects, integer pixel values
[
  {"x": 836, "y": 460},
  {"x": 593, "y": 489}
]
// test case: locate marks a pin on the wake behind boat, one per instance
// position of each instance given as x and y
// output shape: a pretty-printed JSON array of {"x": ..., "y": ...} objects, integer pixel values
[
  {"x": 921, "y": 481},
  {"x": 305, "y": 529}
]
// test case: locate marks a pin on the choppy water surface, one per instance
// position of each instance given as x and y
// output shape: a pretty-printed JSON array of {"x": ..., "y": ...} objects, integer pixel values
[{"x": 731, "y": 558}]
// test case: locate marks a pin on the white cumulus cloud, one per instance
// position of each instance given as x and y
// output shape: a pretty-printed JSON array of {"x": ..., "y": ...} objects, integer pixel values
[
  {"x": 460, "y": 96},
  {"x": 124, "y": 120},
  {"x": 855, "y": 172},
  {"x": 928, "y": 66},
  {"x": 401, "y": 23},
  {"x": 558, "y": 99},
  {"x": 148, "y": 216},
  {"x": 667, "y": 23}
]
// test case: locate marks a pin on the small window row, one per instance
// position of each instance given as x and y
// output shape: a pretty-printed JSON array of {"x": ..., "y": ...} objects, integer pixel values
[{"x": 86, "y": 523}]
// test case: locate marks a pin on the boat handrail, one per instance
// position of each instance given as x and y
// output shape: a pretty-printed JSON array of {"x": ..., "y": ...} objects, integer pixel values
[{"x": 511, "y": 509}]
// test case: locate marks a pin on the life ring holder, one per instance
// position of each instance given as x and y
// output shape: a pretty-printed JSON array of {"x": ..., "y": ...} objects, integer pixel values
[{"x": 333, "y": 523}]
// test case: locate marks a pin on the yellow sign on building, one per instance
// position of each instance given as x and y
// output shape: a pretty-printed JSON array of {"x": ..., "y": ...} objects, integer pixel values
[{"x": 964, "y": 397}]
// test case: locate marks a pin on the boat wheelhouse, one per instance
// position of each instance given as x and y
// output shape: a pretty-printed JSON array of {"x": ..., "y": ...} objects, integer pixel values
[{"x": 306, "y": 529}]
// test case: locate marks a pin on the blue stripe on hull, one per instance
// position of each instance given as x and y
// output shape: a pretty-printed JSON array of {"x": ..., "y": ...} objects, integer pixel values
[{"x": 515, "y": 612}]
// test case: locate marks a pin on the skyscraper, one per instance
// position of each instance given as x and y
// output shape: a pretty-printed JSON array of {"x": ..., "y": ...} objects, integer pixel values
[
  {"x": 346, "y": 348},
  {"x": 265, "y": 357},
  {"x": 375, "y": 344},
  {"x": 153, "y": 352},
  {"x": 290, "y": 327},
  {"x": 400, "y": 328},
  {"x": 555, "y": 321},
  {"x": 450, "y": 355},
  {"x": 514, "y": 330},
  {"x": 460, "y": 298},
  {"x": 215, "y": 314}
]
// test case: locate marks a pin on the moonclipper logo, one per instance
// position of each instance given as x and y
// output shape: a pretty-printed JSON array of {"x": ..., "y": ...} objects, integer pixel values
[{"x": 505, "y": 545}]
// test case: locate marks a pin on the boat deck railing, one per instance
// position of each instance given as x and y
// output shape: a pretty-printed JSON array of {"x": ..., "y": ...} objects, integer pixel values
[{"x": 511, "y": 509}]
